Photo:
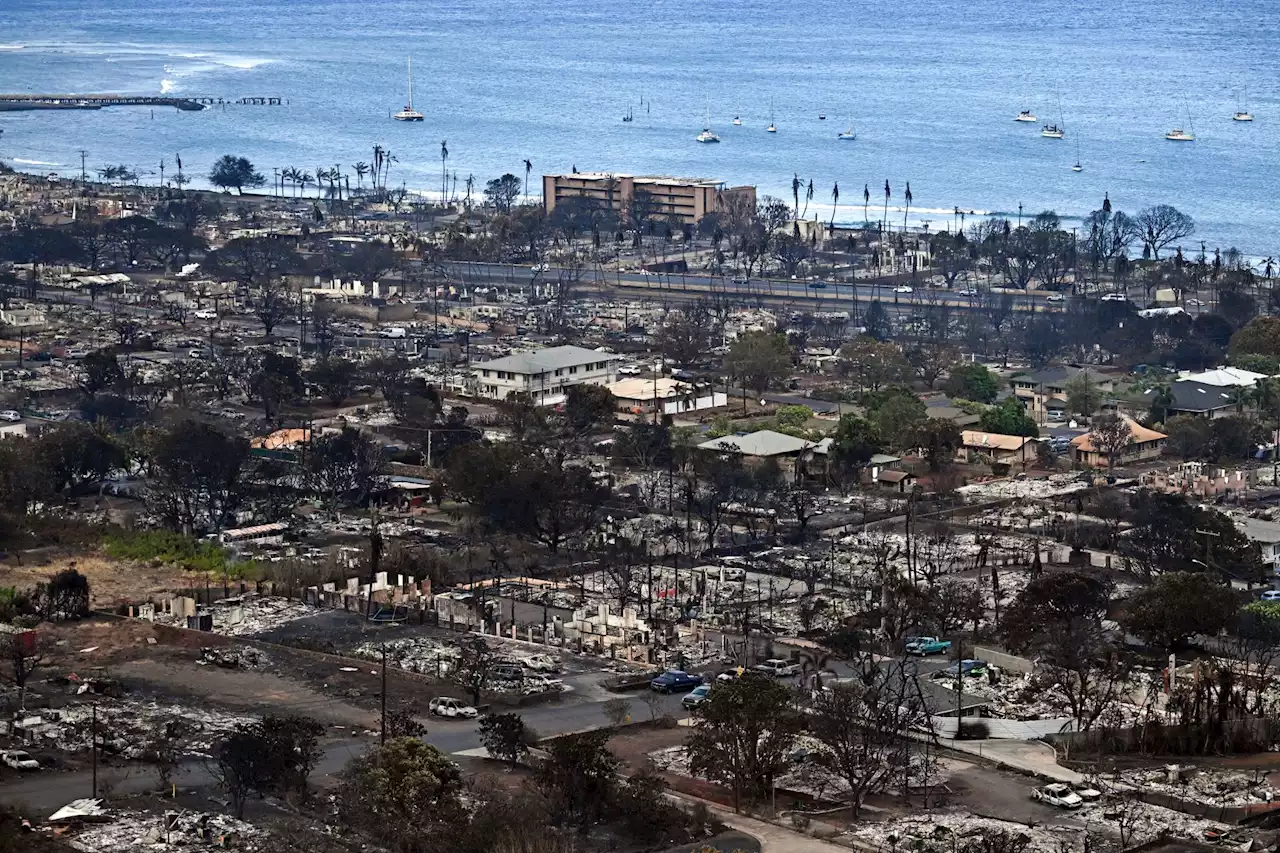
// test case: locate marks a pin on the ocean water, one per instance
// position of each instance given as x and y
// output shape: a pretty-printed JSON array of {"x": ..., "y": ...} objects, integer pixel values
[{"x": 931, "y": 88}]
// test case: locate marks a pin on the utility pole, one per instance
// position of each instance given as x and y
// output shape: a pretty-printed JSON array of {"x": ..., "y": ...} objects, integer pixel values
[
  {"x": 84, "y": 175},
  {"x": 382, "y": 740},
  {"x": 93, "y": 747}
]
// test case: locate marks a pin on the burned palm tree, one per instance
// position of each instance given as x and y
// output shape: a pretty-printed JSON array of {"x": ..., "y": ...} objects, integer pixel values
[
  {"x": 907, "y": 209},
  {"x": 866, "y": 200},
  {"x": 444, "y": 171},
  {"x": 884, "y": 221},
  {"x": 835, "y": 199},
  {"x": 528, "y": 167}
]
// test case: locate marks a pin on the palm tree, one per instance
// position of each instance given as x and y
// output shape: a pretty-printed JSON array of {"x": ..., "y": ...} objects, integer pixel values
[
  {"x": 528, "y": 167},
  {"x": 361, "y": 169},
  {"x": 835, "y": 199},
  {"x": 884, "y": 222},
  {"x": 470, "y": 184},
  {"x": 795, "y": 194},
  {"x": 907, "y": 209},
  {"x": 444, "y": 171},
  {"x": 808, "y": 197},
  {"x": 304, "y": 179},
  {"x": 286, "y": 175},
  {"x": 379, "y": 155},
  {"x": 866, "y": 200}
]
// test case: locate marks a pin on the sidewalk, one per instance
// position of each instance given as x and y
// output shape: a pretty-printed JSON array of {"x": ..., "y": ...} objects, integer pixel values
[{"x": 772, "y": 838}]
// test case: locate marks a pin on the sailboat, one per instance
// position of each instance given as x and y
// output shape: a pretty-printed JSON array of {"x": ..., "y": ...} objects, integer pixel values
[
  {"x": 737, "y": 119},
  {"x": 409, "y": 113},
  {"x": 628, "y": 117},
  {"x": 1026, "y": 115},
  {"x": 847, "y": 135},
  {"x": 1077, "y": 167},
  {"x": 1053, "y": 131},
  {"x": 1179, "y": 134},
  {"x": 1242, "y": 112},
  {"x": 772, "y": 128},
  {"x": 707, "y": 135}
]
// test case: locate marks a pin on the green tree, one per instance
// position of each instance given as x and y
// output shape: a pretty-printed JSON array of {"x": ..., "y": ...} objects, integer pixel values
[
  {"x": 873, "y": 364},
  {"x": 1055, "y": 607},
  {"x": 232, "y": 172},
  {"x": 1083, "y": 395},
  {"x": 877, "y": 322},
  {"x": 1260, "y": 337},
  {"x": 759, "y": 359},
  {"x": 588, "y": 408},
  {"x": 393, "y": 790},
  {"x": 972, "y": 382},
  {"x": 195, "y": 482},
  {"x": 501, "y": 193},
  {"x": 744, "y": 732},
  {"x": 579, "y": 777},
  {"x": 1009, "y": 418},
  {"x": 897, "y": 416},
  {"x": 336, "y": 378},
  {"x": 506, "y": 737},
  {"x": 1178, "y": 606},
  {"x": 1111, "y": 435},
  {"x": 939, "y": 440}
]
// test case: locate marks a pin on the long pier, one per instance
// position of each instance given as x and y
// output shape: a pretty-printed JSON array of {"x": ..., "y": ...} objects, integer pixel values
[{"x": 191, "y": 103}]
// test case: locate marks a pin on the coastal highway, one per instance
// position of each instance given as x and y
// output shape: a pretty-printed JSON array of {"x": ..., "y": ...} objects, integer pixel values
[{"x": 747, "y": 290}]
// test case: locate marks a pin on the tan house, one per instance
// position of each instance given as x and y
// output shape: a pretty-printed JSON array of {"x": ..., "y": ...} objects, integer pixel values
[
  {"x": 1045, "y": 391},
  {"x": 997, "y": 447},
  {"x": 685, "y": 199},
  {"x": 1145, "y": 445}
]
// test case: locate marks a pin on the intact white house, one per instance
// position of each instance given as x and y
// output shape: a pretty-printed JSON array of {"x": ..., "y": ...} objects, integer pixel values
[{"x": 543, "y": 375}]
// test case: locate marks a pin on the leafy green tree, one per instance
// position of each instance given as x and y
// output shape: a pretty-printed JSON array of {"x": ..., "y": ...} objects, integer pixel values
[
  {"x": 1260, "y": 337},
  {"x": 939, "y": 440},
  {"x": 972, "y": 382},
  {"x": 873, "y": 364},
  {"x": 897, "y": 416},
  {"x": 343, "y": 466},
  {"x": 196, "y": 470},
  {"x": 1054, "y": 607},
  {"x": 1083, "y": 395},
  {"x": 273, "y": 755},
  {"x": 335, "y": 377},
  {"x": 232, "y": 172},
  {"x": 759, "y": 359},
  {"x": 506, "y": 737},
  {"x": 744, "y": 732},
  {"x": 1009, "y": 418},
  {"x": 579, "y": 777},
  {"x": 1169, "y": 534},
  {"x": 75, "y": 454},
  {"x": 588, "y": 408},
  {"x": 501, "y": 193},
  {"x": 391, "y": 791},
  {"x": 877, "y": 322},
  {"x": 1178, "y": 606}
]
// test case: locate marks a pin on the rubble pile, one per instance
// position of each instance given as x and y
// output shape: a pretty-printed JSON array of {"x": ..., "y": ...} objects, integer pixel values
[
  {"x": 260, "y": 614},
  {"x": 1148, "y": 821},
  {"x": 424, "y": 655},
  {"x": 1204, "y": 784},
  {"x": 129, "y": 831},
  {"x": 233, "y": 657},
  {"x": 944, "y": 831},
  {"x": 128, "y": 727},
  {"x": 1015, "y": 696},
  {"x": 1027, "y": 487}
]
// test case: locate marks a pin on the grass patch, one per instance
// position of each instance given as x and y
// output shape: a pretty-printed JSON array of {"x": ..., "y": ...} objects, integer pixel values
[{"x": 164, "y": 546}]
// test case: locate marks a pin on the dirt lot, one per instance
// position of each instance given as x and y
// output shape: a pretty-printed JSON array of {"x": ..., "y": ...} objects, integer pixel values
[{"x": 110, "y": 581}]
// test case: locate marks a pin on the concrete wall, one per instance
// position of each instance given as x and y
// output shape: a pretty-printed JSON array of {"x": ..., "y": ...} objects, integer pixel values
[{"x": 1004, "y": 660}]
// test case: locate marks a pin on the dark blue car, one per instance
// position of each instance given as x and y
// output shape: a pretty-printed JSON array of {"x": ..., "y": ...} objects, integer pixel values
[{"x": 674, "y": 680}]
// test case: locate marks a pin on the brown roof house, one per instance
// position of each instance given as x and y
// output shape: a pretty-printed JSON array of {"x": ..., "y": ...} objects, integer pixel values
[
  {"x": 1145, "y": 444},
  {"x": 997, "y": 447}
]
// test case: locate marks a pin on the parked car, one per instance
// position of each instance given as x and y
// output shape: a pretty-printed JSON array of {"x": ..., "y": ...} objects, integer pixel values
[
  {"x": 1115, "y": 297},
  {"x": 730, "y": 675},
  {"x": 968, "y": 291},
  {"x": 507, "y": 671},
  {"x": 205, "y": 314},
  {"x": 542, "y": 663},
  {"x": 1059, "y": 795},
  {"x": 902, "y": 288},
  {"x": 19, "y": 760},
  {"x": 10, "y": 415},
  {"x": 927, "y": 646},
  {"x": 777, "y": 667},
  {"x": 1270, "y": 595},
  {"x": 697, "y": 697},
  {"x": 675, "y": 680},
  {"x": 1054, "y": 297},
  {"x": 443, "y": 706},
  {"x": 818, "y": 285},
  {"x": 969, "y": 667}
]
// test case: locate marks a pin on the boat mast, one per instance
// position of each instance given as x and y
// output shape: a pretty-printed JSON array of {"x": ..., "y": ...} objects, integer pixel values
[{"x": 411, "y": 83}]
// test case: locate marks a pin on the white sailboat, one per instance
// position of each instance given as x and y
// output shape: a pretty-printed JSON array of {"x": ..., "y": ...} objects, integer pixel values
[
  {"x": 1053, "y": 131},
  {"x": 1077, "y": 167},
  {"x": 848, "y": 135},
  {"x": 409, "y": 113},
  {"x": 1179, "y": 134},
  {"x": 1026, "y": 115},
  {"x": 707, "y": 135},
  {"x": 772, "y": 128},
  {"x": 1242, "y": 111}
]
